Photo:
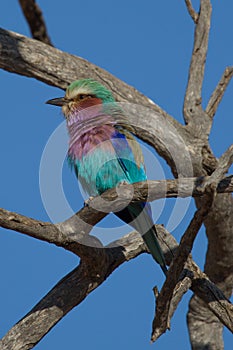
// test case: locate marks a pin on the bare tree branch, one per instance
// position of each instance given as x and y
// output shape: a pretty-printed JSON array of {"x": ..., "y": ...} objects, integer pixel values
[
  {"x": 163, "y": 301},
  {"x": 31, "y": 58},
  {"x": 45, "y": 63},
  {"x": 35, "y": 20},
  {"x": 183, "y": 285},
  {"x": 224, "y": 164},
  {"x": 205, "y": 329},
  {"x": 68, "y": 293},
  {"x": 76, "y": 242},
  {"x": 219, "y": 91},
  {"x": 65, "y": 234},
  {"x": 132, "y": 246},
  {"x": 162, "y": 317},
  {"x": 196, "y": 71},
  {"x": 202, "y": 337},
  {"x": 217, "y": 303},
  {"x": 191, "y": 10},
  {"x": 76, "y": 286}
]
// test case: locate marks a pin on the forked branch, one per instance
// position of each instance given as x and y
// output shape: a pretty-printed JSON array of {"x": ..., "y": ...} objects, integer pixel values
[
  {"x": 163, "y": 301},
  {"x": 79, "y": 283},
  {"x": 191, "y": 10}
]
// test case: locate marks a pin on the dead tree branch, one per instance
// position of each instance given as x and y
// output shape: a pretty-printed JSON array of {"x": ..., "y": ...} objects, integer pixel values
[
  {"x": 34, "y": 17},
  {"x": 34, "y": 59},
  {"x": 205, "y": 329},
  {"x": 193, "y": 98},
  {"x": 219, "y": 91},
  {"x": 65, "y": 234},
  {"x": 79, "y": 283},
  {"x": 125, "y": 249},
  {"x": 171, "y": 287},
  {"x": 161, "y": 321},
  {"x": 191, "y": 10}
]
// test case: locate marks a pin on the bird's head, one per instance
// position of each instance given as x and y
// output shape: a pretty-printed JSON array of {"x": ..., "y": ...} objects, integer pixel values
[{"x": 81, "y": 94}]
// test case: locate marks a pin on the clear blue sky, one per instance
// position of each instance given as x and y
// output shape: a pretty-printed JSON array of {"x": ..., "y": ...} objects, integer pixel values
[{"x": 148, "y": 45}]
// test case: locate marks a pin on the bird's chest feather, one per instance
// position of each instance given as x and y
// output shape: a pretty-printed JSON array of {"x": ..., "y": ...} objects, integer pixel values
[
  {"x": 104, "y": 157},
  {"x": 95, "y": 161}
]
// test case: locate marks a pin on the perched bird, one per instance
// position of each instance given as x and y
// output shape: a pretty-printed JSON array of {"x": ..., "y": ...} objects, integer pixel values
[{"x": 104, "y": 153}]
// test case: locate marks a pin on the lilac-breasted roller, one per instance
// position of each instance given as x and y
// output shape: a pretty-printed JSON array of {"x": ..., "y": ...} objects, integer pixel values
[{"x": 104, "y": 152}]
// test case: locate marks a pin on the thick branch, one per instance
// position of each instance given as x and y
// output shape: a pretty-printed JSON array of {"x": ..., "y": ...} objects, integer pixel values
[
  {"x": 219, "y": 91},
  {"x": 65, "y": 235},
  {"x": 34, "y": 59},
  {"x": 219, "y": 230},
  {"x": 204, "y": 328},
  {"x": 35, "y": 20},
  {"x": 79, "y": 242},
  {"x": 31, "y": 58}
]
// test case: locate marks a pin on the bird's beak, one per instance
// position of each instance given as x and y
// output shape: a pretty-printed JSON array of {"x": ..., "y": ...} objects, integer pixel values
[{"x": 60, "y": 101}]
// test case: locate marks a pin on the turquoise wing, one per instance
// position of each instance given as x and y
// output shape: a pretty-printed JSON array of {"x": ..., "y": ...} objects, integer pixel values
[{"x": 129, "y": 155}]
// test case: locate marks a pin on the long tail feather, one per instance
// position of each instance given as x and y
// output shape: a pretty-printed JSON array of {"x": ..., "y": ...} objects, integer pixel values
[
  {"x": 138, "y": 215},
  {"x": 153, "y": 245}
]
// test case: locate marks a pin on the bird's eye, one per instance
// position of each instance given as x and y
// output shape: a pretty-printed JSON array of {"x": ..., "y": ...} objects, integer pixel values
[{"x": 81, "y": 97}]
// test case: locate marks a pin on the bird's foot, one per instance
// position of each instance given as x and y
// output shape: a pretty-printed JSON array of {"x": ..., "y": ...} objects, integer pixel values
[
  {"x": 87, "y": 202},
  {"x": 123, "y": 182}
]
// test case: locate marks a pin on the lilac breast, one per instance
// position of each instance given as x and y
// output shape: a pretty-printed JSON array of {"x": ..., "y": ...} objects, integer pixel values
[{"x": 81, "y": 144}]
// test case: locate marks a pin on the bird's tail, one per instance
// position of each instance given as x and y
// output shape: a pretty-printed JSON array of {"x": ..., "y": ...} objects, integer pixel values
[
  {"x": 153, "y": 245},
  {"x": 138, "y": 215}
]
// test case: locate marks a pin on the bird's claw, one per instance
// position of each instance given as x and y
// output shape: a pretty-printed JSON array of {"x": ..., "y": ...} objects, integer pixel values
[
  {"x": 88, "y": 201},
  {"x": 123, "y": 182}
]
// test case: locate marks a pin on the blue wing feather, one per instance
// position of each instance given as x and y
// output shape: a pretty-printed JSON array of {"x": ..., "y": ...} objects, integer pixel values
[{"x": 129, "y": 155}]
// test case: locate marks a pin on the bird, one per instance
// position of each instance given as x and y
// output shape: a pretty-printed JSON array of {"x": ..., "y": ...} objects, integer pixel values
[{"x": 104, "y": 152}]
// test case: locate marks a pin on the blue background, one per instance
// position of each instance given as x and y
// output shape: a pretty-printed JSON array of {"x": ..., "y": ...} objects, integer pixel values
[{"x": 148, "y": 45}]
